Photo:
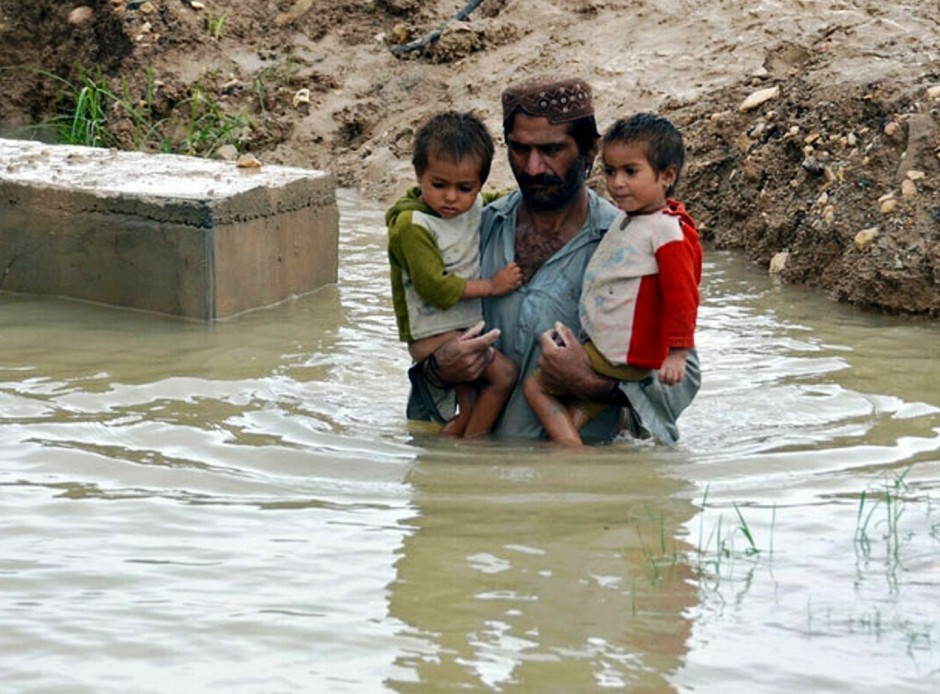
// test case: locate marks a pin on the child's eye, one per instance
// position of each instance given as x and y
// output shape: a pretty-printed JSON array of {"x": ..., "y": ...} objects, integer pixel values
[
  {"x": 608, "y": 171},
  {"x": 466, "y": 189}
]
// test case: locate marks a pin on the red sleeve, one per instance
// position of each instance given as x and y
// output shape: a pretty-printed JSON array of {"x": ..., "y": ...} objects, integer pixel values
[{"x": 680, "y": 270}]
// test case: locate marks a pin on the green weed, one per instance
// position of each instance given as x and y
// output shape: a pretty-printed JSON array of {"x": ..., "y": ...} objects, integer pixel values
[
  {"x": 664, "y": 555},
  {"x": 81, "y": 108},
  {"x": 90, "y": 112},
  {"x": 214, "y": 24},
  {"x": 208, "y": 126},
  {"x": 892, "y": 498},
  {"x": 718, "y": 550}
]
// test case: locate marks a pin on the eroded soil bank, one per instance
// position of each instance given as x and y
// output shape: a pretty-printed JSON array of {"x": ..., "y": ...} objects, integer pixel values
[{"x": 829, "y": 175}]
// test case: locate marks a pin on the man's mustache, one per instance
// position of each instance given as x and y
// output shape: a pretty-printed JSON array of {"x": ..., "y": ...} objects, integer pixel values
[{"x": 524, "y": 179}]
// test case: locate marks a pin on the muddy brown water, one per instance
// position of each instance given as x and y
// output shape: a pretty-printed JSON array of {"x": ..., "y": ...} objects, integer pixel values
[{"x": 241, "y": 507}]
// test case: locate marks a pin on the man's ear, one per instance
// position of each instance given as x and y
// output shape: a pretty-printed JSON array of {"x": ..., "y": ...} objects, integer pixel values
[{"x": 591, "y": 155}]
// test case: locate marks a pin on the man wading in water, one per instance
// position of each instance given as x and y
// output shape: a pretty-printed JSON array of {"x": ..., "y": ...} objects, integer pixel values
[{"x": 550, "y": 227}]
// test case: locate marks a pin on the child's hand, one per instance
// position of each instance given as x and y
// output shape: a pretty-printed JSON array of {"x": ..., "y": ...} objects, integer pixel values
[
  {"x": 506, "y": 279},
  {"x": 673, "y": 369}
]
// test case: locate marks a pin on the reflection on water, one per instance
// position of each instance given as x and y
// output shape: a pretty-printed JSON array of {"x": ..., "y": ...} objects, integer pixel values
[
  {"x": 538, "y": 573},
  {"x": 241, "y": 507}
]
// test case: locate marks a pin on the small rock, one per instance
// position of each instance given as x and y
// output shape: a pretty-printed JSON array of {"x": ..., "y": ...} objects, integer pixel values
[
  {"x": 400, "y": 31},
  {"x": 302, "y": 96},
  {"x": 778, "y": 262},
  {"x": 915, "y": 175},
  {"x": 892, "y": 129},
  {"x": 248, "y": 161},
  {"x": 908, "y": 189},
  {"x": 823, "y": 199},
  {"x": 829, "y": 213},
  {"x": 148, "y": 8},
  {"x": 196, "y": 5},
  {"x": 227, "y": 152},
  {"x": 813, "y": 166},
  {"x": 887, "y": 203},
  {"x": 80, "y": 15},
  {"x": 933, "y": 92},
  {"x": 850, "y": 139},
  {"x": 864, "y": 238},
  {"x": 761, "y": 96}
]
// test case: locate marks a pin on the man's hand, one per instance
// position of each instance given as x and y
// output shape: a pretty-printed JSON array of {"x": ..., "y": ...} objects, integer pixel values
[
  {"x": 566, "y": 368},
  {"x": 464, "y": 358}
]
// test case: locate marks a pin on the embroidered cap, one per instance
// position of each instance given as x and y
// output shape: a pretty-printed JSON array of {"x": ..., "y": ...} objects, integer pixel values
[{"x": 559, "y": 99}]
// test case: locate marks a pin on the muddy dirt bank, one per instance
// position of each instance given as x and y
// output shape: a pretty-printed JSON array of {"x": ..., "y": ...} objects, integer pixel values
[{"x": 829, "y": 175}]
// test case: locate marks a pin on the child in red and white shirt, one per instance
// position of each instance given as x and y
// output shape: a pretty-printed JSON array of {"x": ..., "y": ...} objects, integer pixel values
[{"x": 640, "y": 296}]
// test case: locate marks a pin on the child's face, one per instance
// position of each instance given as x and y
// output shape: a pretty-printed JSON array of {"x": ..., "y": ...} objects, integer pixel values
[
  {"x": 450, "y": 188},
  {"x": 631, "y": 181}
]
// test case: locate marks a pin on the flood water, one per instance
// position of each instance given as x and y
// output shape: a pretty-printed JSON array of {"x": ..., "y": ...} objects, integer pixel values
[{"x": 241, "y": 507}]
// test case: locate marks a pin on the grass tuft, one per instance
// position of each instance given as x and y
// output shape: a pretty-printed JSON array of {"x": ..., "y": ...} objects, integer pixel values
[{"x": 90, "y": 112}]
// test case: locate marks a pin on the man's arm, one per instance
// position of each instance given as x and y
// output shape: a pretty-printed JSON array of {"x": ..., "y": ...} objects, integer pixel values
[{"x": 566, "y": 368}]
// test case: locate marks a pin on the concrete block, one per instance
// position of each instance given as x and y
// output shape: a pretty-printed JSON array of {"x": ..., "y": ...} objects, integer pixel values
[{"x": 166, "y": 233}]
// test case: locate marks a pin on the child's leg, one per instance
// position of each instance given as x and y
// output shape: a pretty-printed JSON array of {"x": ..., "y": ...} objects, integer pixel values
[
  {"x": 498, "y": 378},
  {"x": 552, "y": 414},
  {"x": 426, "y": 346},
  {"x": 466, "y": 395},
  {"x": 421, "y": 350}
]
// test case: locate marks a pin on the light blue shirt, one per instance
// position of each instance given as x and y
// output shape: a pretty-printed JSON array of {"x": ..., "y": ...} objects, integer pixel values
[{"x": 552, "y": 294}]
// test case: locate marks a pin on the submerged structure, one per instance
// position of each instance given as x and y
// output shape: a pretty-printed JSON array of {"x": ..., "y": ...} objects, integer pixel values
[{"x": 179, "y": 235}]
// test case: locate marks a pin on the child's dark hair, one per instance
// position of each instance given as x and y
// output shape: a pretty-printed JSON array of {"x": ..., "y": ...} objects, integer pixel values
[
  {"x": 453, "y": 136},
  {"x": 663, "y": 141}
]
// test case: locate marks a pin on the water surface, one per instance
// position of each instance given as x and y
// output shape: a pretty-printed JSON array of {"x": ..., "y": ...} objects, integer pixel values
[{"x": 241, "y": 507}]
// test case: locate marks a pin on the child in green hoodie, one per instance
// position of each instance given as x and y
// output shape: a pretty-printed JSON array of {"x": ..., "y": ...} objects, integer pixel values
[{"x": 434, "y": 252}]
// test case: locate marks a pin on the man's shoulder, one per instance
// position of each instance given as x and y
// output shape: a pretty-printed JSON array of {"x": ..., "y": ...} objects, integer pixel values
[{"x": 501, "y": 204}]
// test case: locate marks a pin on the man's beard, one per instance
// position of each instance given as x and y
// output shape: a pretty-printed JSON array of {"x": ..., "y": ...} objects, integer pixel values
[{"x": 547, "y": 192}]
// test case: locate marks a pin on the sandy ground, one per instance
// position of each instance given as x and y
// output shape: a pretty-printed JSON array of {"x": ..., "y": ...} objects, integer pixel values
[{"x": 832, "y": 181}]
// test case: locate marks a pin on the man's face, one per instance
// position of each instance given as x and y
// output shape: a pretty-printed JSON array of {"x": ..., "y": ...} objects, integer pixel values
[{"x": 546, "y": 162}]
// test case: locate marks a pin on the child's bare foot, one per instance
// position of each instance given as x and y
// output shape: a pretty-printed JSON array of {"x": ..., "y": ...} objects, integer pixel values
[{"x": 456, "y": 426}]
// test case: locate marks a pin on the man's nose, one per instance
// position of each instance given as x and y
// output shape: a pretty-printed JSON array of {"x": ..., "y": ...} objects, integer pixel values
[{"x": 535, "y": 163}]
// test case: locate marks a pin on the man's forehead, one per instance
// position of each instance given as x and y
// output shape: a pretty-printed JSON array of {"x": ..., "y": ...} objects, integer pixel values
[{"x": 537, "y": 130}]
